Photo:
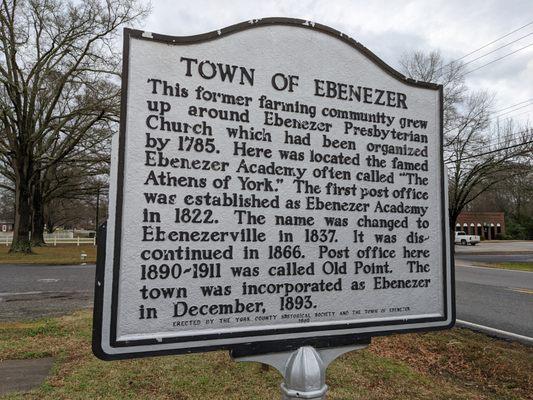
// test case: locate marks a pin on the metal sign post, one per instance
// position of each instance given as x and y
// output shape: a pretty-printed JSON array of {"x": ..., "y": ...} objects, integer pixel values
[{"x": 303, "y": 370}]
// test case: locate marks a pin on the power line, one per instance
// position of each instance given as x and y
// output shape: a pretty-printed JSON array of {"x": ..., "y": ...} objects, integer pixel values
[
  {"x": 494, "y": 140},
  {"x": 494, "y": 41},
  {"x": 498, "y": 48},
  {"x": 484, "y": 147},
  {"x": 490, "y": 152},
  {"x": 511, "y": 136},
  {"x": 512, "y": 105},
  {"x": 511, "y": 111},
  {"x": 508, "y": 136},
  {"x": 497, "y": 140},
  {"x": 498, "y": 59},
  {"x": 517, "y": 115},
  {"x": 496, "y": 115},
  {"x": 485, "y": 46}
]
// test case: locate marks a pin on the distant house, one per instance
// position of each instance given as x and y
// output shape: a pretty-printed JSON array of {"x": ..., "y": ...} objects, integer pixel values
[
  {"x": 487, "y": 225},
  {"x": 6, "y": 226}
]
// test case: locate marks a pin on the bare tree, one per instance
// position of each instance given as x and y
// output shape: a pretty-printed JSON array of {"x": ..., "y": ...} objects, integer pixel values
[
  {"x": 58, "y": 60},
  {"x": 7, "y": 196},
  {"x": 77, "y": 176},
  {"x": 514, "y": 196},
  {"x": 431, "y": 68},
  {"x": 6, "y": 205},
  {"x": 74, "y": 213},
  {"x": 478, "y": 163},
  {"x": 70, "y": 185},
  {"x": 477, "y": 157}
]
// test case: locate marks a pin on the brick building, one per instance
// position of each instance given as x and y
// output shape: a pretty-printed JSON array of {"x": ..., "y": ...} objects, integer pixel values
[
  {"x": 6, "y": 226},
  {"x": 487, "y": 225}
]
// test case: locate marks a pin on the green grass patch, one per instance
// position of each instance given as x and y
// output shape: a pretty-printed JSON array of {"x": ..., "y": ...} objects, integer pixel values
[
  {"x": 455, "y": 364},
  {"x": 517, "y": 266},
  {"x": 49, "y": 327},
  {"x": 62, "y": 254}
]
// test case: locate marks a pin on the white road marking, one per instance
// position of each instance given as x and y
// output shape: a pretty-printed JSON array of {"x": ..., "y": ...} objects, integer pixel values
[
  {"x": 5, "y": 294},
  {"x": 498, "y": 332},
  {"x": 48, "y": 280},
  {"x": 521, "y": 290},
  {"x": 18, "y": 293}
]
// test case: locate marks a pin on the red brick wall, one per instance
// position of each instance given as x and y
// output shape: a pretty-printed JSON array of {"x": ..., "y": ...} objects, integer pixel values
[{"x": 485, "y": 224}]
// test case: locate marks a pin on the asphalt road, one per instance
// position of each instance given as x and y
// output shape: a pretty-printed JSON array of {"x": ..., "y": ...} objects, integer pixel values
[
  {"x": 36, "y": 291},
  {"x": 496, "y": 298},
  {"x": 500, "y": 299}
]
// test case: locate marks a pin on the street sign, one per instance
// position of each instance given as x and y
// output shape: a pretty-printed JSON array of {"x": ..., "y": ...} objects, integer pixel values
[{"x": 273, "y": 184}]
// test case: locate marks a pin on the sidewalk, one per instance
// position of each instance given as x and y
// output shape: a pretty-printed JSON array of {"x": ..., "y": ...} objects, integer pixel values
[{"x": 23, "y": 375}]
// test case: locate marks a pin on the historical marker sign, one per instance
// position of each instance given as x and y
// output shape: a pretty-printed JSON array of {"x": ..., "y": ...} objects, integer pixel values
[{"x": 273, "y": 181}]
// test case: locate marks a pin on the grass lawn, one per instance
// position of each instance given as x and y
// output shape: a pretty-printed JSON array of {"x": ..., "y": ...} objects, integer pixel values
[
  {"x": 455, "y": 364},
  {"x": 519, "y": 266},
  {"x": 50, "y": 254}
]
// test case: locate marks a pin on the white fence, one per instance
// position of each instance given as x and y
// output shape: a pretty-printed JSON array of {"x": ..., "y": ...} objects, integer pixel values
[{"x": 55, "y": 240}]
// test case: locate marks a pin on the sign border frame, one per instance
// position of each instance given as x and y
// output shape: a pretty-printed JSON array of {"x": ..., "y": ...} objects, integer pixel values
[{"x": 258, "y": 346}]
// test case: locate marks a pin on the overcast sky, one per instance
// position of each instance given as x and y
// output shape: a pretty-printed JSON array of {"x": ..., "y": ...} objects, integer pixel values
[{"x": 391, "y": 28}]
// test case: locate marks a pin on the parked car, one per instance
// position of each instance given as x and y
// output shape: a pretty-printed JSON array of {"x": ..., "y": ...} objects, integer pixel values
[{"x": 464, "y": 239}]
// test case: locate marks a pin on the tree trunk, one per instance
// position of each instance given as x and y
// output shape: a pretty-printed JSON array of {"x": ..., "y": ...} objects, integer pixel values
[
  {"x": 37, "y": 223},
  {"x": 50, "y": 225},
  {"x": 21, "y": 241},
  {"x": 452, "y": 221}
]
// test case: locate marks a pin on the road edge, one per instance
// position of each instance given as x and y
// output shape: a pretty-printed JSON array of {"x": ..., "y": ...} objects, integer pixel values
[{"x": 495, "y": 332}]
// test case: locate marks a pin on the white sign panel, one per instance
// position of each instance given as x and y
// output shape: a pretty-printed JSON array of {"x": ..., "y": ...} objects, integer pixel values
[{"x": 273, "y": 182}]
